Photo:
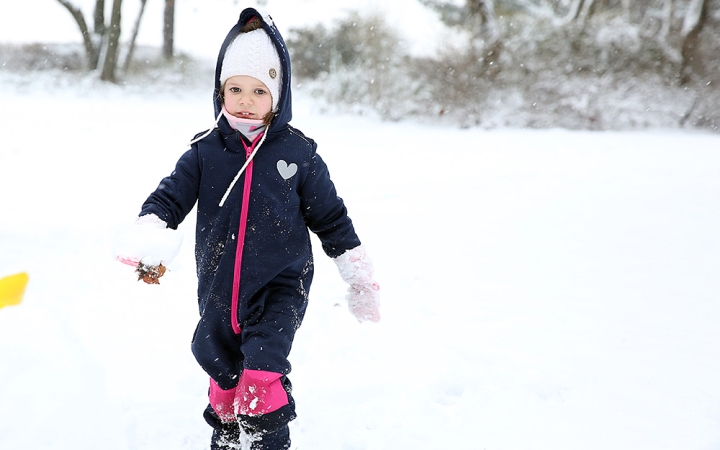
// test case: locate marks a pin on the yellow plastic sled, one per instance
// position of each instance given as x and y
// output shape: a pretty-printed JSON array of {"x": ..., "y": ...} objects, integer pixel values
[{"x": 12, "y": 289}]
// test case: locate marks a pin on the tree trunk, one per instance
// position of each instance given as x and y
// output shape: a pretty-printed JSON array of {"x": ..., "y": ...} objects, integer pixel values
[
  {"x": 695, "y": 18},
  {"x": 91, "y": 50},
  {"x": 99, "y": 17},
  {"x": 136, "y": 29},
  {"x": 111, "y": 45},
  {"x": 99, "y": 30},
  {"x": 169, "y": 29}
]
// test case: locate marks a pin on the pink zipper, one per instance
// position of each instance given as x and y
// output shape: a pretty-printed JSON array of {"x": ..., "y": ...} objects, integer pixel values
[{"x": 241, "y": 237}]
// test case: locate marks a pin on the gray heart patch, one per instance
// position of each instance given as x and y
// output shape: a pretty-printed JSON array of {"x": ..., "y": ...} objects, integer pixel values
[{"x": 286, "y": 170}]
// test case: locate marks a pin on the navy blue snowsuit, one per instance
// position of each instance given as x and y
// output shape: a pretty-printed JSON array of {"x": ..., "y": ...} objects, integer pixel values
[{"x": 290, "y": 191}]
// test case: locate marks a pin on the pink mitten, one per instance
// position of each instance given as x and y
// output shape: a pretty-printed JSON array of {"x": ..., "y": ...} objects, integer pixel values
[{"x": 363, "y": 295}]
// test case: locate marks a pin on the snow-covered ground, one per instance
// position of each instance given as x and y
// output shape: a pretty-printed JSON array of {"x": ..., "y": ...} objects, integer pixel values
[{"x": 541, "y": 289}]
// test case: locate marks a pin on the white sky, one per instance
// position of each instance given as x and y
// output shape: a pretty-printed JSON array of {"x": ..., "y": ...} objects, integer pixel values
[{"x": 202, "y": 24}]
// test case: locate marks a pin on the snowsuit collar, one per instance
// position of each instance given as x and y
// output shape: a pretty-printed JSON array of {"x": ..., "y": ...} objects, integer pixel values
[{"x": 284, "y": 110}]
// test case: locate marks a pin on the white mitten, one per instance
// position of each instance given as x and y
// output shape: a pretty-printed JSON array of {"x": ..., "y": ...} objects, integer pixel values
[
  {"x": 363, "y": 295},
  {"x": 149, "y": 246}
]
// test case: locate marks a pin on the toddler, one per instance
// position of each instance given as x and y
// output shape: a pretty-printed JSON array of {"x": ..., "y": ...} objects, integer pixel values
[{"x": 259, "y": 186}]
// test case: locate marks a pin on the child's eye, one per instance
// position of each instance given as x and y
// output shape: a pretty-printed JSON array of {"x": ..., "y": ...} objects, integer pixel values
[
  {"x": 234, "y": 90},
  {"x": 260, "y": 91}
]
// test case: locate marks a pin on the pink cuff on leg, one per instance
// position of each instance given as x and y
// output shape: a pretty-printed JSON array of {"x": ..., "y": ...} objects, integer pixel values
[
  {"x": 223, "y": 402},
  {"x": 260, "y": 392}
]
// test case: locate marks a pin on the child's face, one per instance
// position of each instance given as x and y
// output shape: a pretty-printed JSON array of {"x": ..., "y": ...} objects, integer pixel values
[{"x": 246, "y": 97}]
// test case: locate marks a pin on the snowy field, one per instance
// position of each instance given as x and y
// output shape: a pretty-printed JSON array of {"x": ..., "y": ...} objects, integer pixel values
[{"x": 541, "y": 289}]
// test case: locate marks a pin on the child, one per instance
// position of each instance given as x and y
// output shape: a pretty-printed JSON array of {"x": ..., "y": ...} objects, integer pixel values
[{"x": 259, "y": 186}]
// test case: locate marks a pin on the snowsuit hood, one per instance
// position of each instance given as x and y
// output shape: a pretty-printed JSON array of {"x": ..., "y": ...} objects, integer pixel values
[{"x": 283, "y": 115}]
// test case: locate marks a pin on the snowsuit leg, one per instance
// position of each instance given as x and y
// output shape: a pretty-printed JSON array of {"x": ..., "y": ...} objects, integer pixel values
[
  {"x": 248, "y": 371},
  {"x": 265, "y": 408},
  {"x": 269, "y": 320}
]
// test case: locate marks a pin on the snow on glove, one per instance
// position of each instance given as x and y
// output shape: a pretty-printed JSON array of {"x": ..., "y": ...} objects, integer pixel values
[
  {"x": 149, "y": 246},
  {"x": 363, "y": 295}
]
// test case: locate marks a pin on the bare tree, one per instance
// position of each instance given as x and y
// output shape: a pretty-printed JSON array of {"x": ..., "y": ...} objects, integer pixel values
[
  {"x": 102, "y": 44},
  {"x": 169, "y": 29},
  {"x": 111, "y": 44},
  {"x": 133, "y": 38},
  {"x": 99, "y": 17},
  {"x": 92, "y": 46}
]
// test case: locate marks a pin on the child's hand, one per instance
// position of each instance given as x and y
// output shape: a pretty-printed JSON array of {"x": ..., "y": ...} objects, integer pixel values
[
  {"x": 149, "y": 246},
  {"x": 364, "y": 302},
  {"x": 363, "y": 295}
]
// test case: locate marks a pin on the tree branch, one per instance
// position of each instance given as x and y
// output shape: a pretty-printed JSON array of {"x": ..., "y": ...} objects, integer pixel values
[{"x": 90, "y": 50}]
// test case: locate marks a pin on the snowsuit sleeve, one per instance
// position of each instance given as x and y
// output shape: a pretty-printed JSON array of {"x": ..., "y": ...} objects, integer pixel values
[
  {"x": 177, "y": 193},
  {"x": 325, "y": 212}
]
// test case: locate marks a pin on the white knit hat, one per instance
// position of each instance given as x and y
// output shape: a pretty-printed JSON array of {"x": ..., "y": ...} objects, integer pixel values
[{"x": 254, "y": 54}]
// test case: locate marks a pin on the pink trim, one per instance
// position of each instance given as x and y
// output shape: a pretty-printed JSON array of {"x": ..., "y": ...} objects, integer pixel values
[
  {"x": 223, "y": 402},
  {"x": 129, "y": 261},
  {"x": 260, "y": 392},
  {"x": 241, "y": 237}
]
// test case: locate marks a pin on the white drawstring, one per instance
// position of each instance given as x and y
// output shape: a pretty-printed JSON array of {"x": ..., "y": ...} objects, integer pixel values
[
  {"x": 242, "y": 169},
  {"x": 208, "y": 131}
]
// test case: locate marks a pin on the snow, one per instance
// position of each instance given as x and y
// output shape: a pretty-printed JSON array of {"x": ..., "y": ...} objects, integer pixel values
[
  {"x": 146, "y": 242},
  {"x": 541, "y": 289}
]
